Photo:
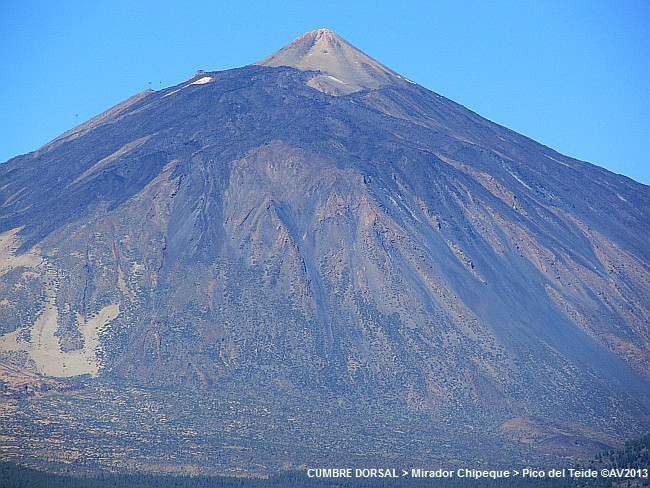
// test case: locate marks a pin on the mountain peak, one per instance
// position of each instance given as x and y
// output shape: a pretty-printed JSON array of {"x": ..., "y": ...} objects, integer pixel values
[{"x": 343, "y": 68}]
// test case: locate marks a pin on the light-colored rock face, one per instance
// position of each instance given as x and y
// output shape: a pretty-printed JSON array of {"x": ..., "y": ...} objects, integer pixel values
[
  {"x": 344, "y": 69},
  {"x": 40, "y": 340}
]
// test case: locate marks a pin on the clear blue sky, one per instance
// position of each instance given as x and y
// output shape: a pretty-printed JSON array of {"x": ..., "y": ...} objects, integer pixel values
[{"x": 573, "y": 74}]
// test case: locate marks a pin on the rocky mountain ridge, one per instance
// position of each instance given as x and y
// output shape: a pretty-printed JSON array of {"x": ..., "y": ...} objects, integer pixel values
[{"x": 316, "y": 229}]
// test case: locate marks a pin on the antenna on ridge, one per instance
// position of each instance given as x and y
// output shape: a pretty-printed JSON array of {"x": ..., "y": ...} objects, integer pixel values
[{"x": 76, "y": 119}]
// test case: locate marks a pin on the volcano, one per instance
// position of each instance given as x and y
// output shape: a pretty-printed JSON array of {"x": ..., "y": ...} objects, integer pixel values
[{"x": 313, "y": 259}]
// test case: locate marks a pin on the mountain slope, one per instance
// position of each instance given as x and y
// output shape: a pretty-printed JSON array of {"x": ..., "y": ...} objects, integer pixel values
[
  {"x": 377, "y": 244},
  {"x": 342, "y": 68}
]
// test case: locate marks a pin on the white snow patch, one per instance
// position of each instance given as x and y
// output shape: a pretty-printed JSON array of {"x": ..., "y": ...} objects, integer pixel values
[
  {"x": 172, "y": 92},
  {"x": 202, "y": 81},
  {"x": 336, "y": 79},
  {"x": 519, "y": 180}
]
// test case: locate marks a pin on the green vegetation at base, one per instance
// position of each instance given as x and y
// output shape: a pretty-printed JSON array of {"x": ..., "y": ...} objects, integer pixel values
[
  {"x": 635, "y": 454},
  {"x": 15, "y": 476}
]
